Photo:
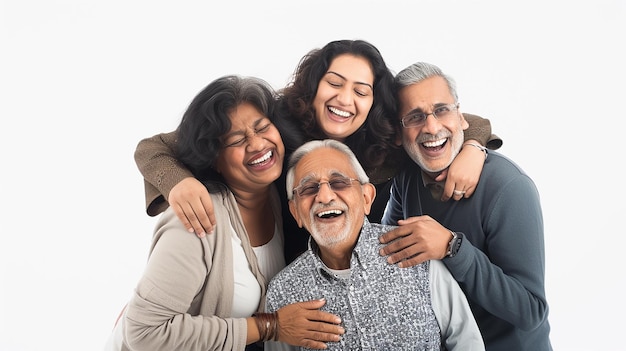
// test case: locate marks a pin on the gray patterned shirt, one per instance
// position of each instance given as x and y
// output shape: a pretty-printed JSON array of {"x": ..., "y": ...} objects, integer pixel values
[{"x": 382, "y": 306}]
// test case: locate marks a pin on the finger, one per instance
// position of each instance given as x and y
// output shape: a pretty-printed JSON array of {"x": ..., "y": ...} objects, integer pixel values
[
  {"x": 448, "y": 186},
  {"x": 301, "y": 326},
  {"x": 204, "y": 210},
  {"x": 458, "y": 194},
  {"x": 204, "y": 219},
  {"x": 212, "y": 220},
  {"x": 446, "y": 194},
  {"x": 411, "y": 252},
  {"x": 393, "y": 235},
  {"x": 410, "y": 220},
  {"x": 326, "y": 331},
  {"x": 180, "y": 213},
  {"x": 390, "y": 249},
  {"x": 322, "y": 319},
  {"x": 192, "y": 217},
  {"x": 195, "y": 223},
  {"x": 333, "y": 335},
  {"x": 400, "y": 250},
  {"x": 312, "y": 304},
  {"x": 320, "y": 333},
  {"x": 449, "y": 190},
  {"x": 413, "y": 261},
  {"x": 469, "y": 191},
  {"x": 442, "y": 176},
  {"x": 325, "y": 319},
  {"x": 312, "y": 344}
]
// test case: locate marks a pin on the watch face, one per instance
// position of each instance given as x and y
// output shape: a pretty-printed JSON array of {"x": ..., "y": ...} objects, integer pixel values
[
  {"x": 454, "y": 245},
  {"x": 451, "y": 244}
]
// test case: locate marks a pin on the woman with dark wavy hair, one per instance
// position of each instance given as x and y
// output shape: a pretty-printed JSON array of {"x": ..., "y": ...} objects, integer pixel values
[
  {"x": 342, "y": 91},
  {"x": 366, "y": 126},
  {"x": 208, "y": 293}
]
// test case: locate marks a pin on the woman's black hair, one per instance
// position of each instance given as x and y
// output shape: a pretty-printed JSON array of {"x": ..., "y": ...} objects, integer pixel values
[
  {"x": 207, "y": 119},
  {"x": 374, "y": 142}
]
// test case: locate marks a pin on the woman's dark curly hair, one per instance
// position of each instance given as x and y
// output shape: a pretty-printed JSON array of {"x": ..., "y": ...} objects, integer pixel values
[
  {"x": 374, "y": 142},
  {"x": 207, "y": 120}
]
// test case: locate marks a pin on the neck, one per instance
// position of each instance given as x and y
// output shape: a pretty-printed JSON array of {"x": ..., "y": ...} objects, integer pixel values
[
  {"x": 247, "y": 199},
  {"x": 336, "y": 257},
  {"x": 257, "y": 215},
  {"x": 333, "y": 261}
]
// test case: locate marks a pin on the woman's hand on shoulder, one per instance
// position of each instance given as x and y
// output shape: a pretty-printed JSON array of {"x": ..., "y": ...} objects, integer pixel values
[{"x": 192, "y": 204}]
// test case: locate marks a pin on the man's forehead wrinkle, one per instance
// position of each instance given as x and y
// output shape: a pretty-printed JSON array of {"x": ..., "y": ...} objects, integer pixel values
[{"x": 314, "y": 176}]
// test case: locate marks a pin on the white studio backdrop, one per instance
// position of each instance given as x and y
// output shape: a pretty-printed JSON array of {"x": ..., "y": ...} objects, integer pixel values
[{"x": 81, "y": 82}]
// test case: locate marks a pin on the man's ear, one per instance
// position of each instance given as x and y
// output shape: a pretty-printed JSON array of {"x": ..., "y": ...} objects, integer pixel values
[
  {"x": 369, "y": 193},
  {"x": 464, "y": 123},
  {"x": 294, "y": 211}
]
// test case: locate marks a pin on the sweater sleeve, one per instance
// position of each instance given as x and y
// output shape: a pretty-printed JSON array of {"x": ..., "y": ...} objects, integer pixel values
[
  {"x": 480, "y": 130},
  {"x": 156, "y": 159},
  {"x": 509, "y": 284}
]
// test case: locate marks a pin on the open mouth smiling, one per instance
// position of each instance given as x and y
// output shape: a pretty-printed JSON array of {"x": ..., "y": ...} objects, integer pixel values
[
  {"x": 340, "y": 113},
  {"x": 329, "y": 214},
  {"x": 435, "y": 145},
  {"x": 263, "y": 159}
]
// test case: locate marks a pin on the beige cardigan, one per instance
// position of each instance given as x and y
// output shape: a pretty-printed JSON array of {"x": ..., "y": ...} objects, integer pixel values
[{"x": 184, "y": 298}]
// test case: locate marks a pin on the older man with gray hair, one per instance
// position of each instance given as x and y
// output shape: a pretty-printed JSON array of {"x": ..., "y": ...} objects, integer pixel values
[
  {"x": 382, "y": 306},
  {"x": 492, "y": 242}
]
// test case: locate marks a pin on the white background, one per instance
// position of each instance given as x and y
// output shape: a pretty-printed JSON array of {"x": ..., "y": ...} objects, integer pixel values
[{"x": 83, "y": 81}]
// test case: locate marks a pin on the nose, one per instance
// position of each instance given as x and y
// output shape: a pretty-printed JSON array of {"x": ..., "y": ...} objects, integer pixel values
[
  {"x": 255, "y": 141},
  {"x": 344, "y": 96},
  {"x": 431, "y": 124},
  {"x": 325, "y": 194}
]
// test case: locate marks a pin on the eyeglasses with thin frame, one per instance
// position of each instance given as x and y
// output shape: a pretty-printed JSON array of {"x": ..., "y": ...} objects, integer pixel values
[
  {"x": 440, "y": 112},
  {"x": 336, "y": 184}
]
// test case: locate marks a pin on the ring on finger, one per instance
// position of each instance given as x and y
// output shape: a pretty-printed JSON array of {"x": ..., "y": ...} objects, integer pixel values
[{"x": 459, "y": 192}]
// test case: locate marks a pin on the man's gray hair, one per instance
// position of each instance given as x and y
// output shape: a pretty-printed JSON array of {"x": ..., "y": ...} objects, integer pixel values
[
  {"x": 318, "y": 144},
  {"x": 420, "y": 71}
]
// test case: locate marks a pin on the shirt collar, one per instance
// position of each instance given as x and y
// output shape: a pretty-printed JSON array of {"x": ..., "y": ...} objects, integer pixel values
[{"x": 435, "y": 187}]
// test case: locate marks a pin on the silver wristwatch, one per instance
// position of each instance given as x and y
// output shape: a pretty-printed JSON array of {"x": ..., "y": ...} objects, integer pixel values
[{"x": 454, "y": 244}]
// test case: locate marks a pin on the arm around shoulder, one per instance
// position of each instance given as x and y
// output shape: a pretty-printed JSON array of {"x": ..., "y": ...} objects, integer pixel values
[
  {"x": 480, "y": 130},
  {"x": 156, "y": 159}
]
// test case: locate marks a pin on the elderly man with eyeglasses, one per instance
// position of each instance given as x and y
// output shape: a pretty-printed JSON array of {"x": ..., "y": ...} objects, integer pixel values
[
  {"x": 382, "y": 306},
  {"x": 492, "y": 242}
]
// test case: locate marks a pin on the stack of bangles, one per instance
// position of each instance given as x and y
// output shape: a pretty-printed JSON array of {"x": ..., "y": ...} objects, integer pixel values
[{"x": 268, "y": 325}]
